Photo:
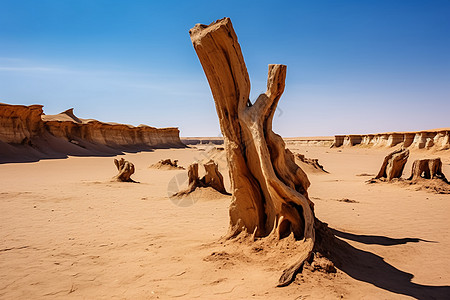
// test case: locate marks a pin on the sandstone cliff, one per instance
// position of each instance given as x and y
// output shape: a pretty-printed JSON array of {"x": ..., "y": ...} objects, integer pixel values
[
  {"x": 18, "y": 123},
  {"x": 436, "y": 139},
  {"x": 26, "y": 134}
]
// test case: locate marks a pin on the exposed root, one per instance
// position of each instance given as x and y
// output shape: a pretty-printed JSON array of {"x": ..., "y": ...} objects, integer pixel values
[{"x": 289, "y": 274}]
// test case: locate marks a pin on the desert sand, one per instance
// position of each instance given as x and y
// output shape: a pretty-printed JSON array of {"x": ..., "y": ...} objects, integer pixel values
[{"x": 67, "y": 231}]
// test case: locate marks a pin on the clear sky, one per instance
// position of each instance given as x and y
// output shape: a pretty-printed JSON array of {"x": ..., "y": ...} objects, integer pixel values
[{"x": 353, "y": 66}]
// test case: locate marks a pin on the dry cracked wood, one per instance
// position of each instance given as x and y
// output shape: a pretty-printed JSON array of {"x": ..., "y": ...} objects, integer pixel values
[
  {"x": 269, "y": 190},
  {"x": 126, "y": 169},
  {"x": 393, "y": 165}
]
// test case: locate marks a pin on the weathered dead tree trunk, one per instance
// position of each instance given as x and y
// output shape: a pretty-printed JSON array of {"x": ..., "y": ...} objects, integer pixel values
[
  {"x": 269, "y": 190},
  {"x": 393, "y": 165},
  {"x": 427, "y": 169},
  {"x": 126, "y": 169},
  {"x": 212, "y": 178}
]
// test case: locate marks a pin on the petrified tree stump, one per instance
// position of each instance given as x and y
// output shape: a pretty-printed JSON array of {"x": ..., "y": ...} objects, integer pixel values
[
  {"x": 126, "y": 169},
  {"x": 213, "y": 178},
  {"x": 427, "y": 169},
  {"x": 393, "y": 165},
  {"x": 193, "y": 180},
  {"x": 269, "y": 191}
]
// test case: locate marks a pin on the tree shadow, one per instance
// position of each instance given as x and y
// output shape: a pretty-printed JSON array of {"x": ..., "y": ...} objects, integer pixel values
[
  {"x": 376, "y": 239},
  {"x": 371, "y": 268}
]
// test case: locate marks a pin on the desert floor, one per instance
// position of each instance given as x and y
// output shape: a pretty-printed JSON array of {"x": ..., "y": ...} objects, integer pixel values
[{"x": 67, "y": 232}]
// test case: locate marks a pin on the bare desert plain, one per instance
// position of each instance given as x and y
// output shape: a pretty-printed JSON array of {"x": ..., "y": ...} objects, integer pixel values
[
  {"x": 69, "y": 232},
  {"x": 105, "y": 210}
]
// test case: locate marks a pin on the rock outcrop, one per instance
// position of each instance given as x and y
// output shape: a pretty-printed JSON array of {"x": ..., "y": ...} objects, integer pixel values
[
  {"x": 20, "y": 123},
  {"x": 213, "y": 178},
  {"x": 320, "y": 141},
  {"x": 26, "y": 134},
  {"x": 393, "y": 165},
  {"x": 427, "y": 174},
  {"x": 118, "y": 136},
  {"x": 309, "y": 164},
  {"x": 167, "y": 164},
  {"x": 430, "y": 168},
  {"x": 436, "y": 139},
  {"x": 125, "y": 168}
]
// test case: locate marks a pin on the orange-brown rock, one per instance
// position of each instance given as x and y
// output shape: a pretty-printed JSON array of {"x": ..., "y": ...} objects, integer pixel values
[
  {"x": 213, "y": 178},
  {"x": 430, "y": 168},
  {"x": 26, "y": 134},
  {"x": 393, "y": 165},
  {"x": 119, "y": 136},
  {"x": 20, "y": 123}
]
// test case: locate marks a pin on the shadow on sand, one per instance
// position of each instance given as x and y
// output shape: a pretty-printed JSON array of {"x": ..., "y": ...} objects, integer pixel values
[
  {"x": 376, "y": 239},
  {"x": 371, "y": 268}
]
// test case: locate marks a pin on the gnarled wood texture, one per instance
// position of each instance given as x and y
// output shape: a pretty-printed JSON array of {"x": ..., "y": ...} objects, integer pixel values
[
  {"x": 269, "y": 190},
  {"x": 427, "y": 169},
  {"x": 126, "y": 169},
  {"x": 213, "y": 178},
  {"x": 393, "y": 165}
]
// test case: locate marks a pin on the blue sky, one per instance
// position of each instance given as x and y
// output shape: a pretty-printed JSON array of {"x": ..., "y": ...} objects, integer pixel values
[{"x": 353, "y": 66}]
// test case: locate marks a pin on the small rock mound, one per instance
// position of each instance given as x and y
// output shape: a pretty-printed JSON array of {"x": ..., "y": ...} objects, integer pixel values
[
  {"x": 167, "y": 164},
  {"x": 310, "y": 164}
]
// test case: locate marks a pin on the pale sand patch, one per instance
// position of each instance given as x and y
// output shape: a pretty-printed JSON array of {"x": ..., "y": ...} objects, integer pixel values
[{"x": 67, "y": 232}]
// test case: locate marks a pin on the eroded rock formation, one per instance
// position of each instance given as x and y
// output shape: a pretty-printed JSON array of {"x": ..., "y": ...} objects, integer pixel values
[
  {"x": 269, "y": 191},
  {"x": 125, "y": 168},
  {"x": 167, "y": 164},
  {"x": 26, "y": 134},
  {"x": 430, "y": 168},
  {"x": 437, "y": 139},
  {"x": 426, "y": 174},
  {"x": 313, "y": 163},
  {"x": 118, "y": 136},
  {"x": 324, "y": 141},
  {"x": 213, "y": 178},
  {"x": 20, "y": 123},
  {"x": 393, "y": 165}
]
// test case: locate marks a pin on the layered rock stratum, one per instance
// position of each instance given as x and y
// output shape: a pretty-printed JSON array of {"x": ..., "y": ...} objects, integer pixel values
[
  {"x": 434, "y": 139},
  {"x": 27, "y": 134}
]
